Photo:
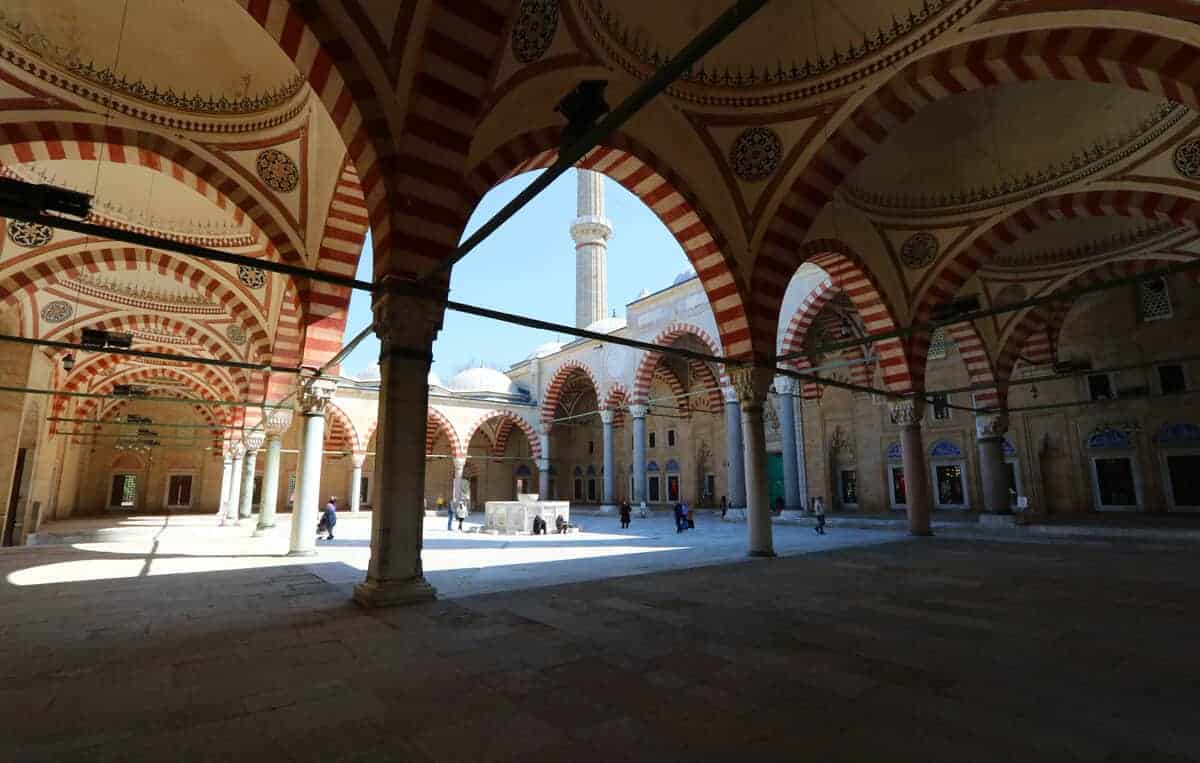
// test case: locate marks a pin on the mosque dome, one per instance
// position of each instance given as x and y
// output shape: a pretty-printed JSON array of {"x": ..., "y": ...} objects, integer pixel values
[
  {"x": 368, "y": 374},
  {"x": 483, "y": 380},
  {"x": 434, "y": 380},
  {"x": 548, "y": 348},
  {"x": 606, "y": 325},
  {"x": 686, "y": 275}
]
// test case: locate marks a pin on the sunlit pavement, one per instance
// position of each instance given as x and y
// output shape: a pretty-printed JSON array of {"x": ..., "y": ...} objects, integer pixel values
[{"x": 458, "y": 563}]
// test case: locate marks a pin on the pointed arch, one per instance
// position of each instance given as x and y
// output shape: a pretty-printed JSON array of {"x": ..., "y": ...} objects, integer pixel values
[
  {"x": 513, "y": 420},
  {"x": 350, "y": 439},
  {"x": 667, "y": 337},
  {"x": 554, "y": 388},
  {"x": 617, "y": 400},
  {"x": 436, "y": 422}
]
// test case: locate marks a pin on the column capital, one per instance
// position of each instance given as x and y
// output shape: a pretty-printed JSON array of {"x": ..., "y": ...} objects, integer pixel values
[
  {"x": 460, "y": 463},
  {"x": 358, "y": 459},
  {"x": 276, "y": 421},
  {"x": 236, "y": 449},
  {"x": 729, "y": 394},
  {"x": 315, "y": 396},
  {"x": 638, "y": 411},
  {"x": 785, "y": 385},
  {"x": 543, "y": 464},
  {"x": 751, "y": 384},
  {"x": 253, "y": 441},
  {"x": 607, "y": 416},
  {"x": 906, "y": 413},
  {"x": 405, "y": 325},
  {"x": 991, "y": 426}
]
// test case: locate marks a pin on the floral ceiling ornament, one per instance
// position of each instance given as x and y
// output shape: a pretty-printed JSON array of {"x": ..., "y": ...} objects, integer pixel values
[
  {"x": 255, "y": 278},
  {"x": 277, "y": 170},
  {"x": 57, "y": 311},
  {"x": 235, "y": 334},
  {"x": 918, "y": 250},
  {"x": 533, "y": 30},
  {"x": 29, "y": 235},
  {"x": 756, "y": 153},
  {"x": 1187, "y": 158}
]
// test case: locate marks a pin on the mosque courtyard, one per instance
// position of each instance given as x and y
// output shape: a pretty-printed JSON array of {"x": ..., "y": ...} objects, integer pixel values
[{"x": 161, "y": 638}]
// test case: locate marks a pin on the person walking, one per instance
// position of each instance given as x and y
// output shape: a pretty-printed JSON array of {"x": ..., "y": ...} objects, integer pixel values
[
  {"x": 819, "y": 511},
  {"x": 724, "y": 507},
  {"x": 626, "y": 512},
  {"x": 679, "y": 517},
  {"x": 461, "y": 513},
  {"x": 328, "y": 519},
  {"x": 688, "y": 516},
  {"x": 441, "y": 504}
]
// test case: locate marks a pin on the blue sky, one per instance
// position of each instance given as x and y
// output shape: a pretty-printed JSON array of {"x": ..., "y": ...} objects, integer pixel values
[{"x": 528, "y": 267}]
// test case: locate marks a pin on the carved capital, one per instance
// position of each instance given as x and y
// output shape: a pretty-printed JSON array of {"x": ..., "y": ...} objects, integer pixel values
[
  {"x": 406, "y": 325},
  {"x": 607, "y": 416},
  {"x": 358, "y": 459},
  {"x": 991, "y": 426},
  {"x": 314, "y": 396},
  {"x": 236, "y": 449},
  {"x": 906, "y": 413},
  {"x": 729, "y": 394},
  {"x": 253, "y": 440},
  {"x": 543, "y": 464},
  {"x": 751, "y": 385},
  {"x": 638, "y": 411},
  {"x": 460, "y": 463},
  {"x": 276, "y": 421},
  {"x": 786, "y": 385}
]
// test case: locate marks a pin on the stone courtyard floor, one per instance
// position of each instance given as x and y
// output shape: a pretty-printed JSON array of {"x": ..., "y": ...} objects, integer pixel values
[{"x": 180, "y": 641}]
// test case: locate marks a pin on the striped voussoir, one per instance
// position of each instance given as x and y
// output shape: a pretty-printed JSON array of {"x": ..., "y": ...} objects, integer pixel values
[
  {"x": 976, "y": 253},
  {"x": 1110, "y": 56},
  {"x": 667, "y": 376},
  {"x": 109, "y": 412},
  {"x": 182, "y": 332},
  {"x": 667, "y": 337},
  {"x": 797, "y": 331},
  {"x": 24, "y": 142},
  {"x": 554, "y": 388},
  {"x": 508, "y": 420},
  {"x": 653, "y": 181},
  {"x": 617, "y": 399},
  {"x": 216, "y": 380},
  {"x": 701, "y": 371},
  {"x": 327, "y": 304},
  {"x": 437, "y": 422},
  {"x": 202, "y": 385},
  {"x": 341, "y": 434},
  {"x": 978, "y": 362},
  {"x": 54, "y": 264}
]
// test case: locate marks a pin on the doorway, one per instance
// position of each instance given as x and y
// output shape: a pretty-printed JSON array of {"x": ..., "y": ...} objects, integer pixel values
[
  {"x": 1182, "y": 478},
  {"x": 14, "y": 498},
  {"x": 123, "y": 496}
]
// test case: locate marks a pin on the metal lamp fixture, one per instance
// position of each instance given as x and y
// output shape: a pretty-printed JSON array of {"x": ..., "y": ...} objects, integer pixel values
[{"x": 68, "y": 362}]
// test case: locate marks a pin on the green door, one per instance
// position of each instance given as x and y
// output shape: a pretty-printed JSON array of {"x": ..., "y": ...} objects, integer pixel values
[{"x": 774, "y": 478}]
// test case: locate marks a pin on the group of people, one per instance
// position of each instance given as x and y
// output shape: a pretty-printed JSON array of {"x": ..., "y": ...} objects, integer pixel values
[
  {"x": 561, "y": 525},
  {"x": 684, "y": 519},
  {"x": 459, "y": 512}
]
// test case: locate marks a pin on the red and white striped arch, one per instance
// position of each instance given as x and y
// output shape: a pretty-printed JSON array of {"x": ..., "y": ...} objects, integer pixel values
[
  {"x": 794, "y": 335},
  {"x": 182, "y": 332},
  {"x": 110, "y": 409},
  {"x": 956, "y": 271},
  {"x": 341, "y": 434},
  {"x": 203, "y": 387},
  {"x": 661, "y": 189},
  {"x": 701, "y": 371},
  {"x": 56, "y": 263},
  {"x": 667, "y": 337},
  {"x": 554, "y": 388},
  {"x": 617, "y": 399},
  {"x": 1132, "y": 59},
  {"x": 978, "y": 362},
  {"x": 88, "y": 367},
  {"x": 437, "y": 422},
  {"x": 508, "y": 421},
  {"x": 667, "y": 376}
]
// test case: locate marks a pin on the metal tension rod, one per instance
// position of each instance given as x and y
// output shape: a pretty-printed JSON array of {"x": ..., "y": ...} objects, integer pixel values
[
  {"x": 150, "y": 354},
  {"x": 151, "y": 426},
  {"x": 146, "y": 399},
  {"x": 703, "y": 43},
  {"x": 1010, "y": 307},
  {"x": 179, "y": 247}
]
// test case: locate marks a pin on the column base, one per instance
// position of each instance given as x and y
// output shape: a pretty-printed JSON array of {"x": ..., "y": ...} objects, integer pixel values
[
  {"x": 792, "y": 515},
  {"x": 734, "y": 515},
  {"x": 393, "y": 593},
  {"x": 760, "y": 554},
  {"x": 262, "y": 530},
  {"x": 303, "y": 552}
]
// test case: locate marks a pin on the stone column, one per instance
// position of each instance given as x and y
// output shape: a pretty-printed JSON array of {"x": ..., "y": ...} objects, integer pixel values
[
  {"x": 235, "y": 486},
  {"x": 801, "y": 460},
  {"x": 356, "y": 482},
  {"x": 253, "y": 443},
  {"x": 638, "y": 412},
  {"x": 315, "y": 395},
  {"x": 226, "y": 480},
  {"x": 609, "y": 499},
  {"x": 406, "y": 329},
  {"x": 734, "y": 449},
  {"x": 276, "y": 424},
  {"x": 785, "y": 395},
  {"x": 752, "y": 385},
  {"x": 907, "y": 415},
  {"x": 989, "y": 433},
  {"x": 456, "y": 488},
  {"x": 543, "y": 465}
]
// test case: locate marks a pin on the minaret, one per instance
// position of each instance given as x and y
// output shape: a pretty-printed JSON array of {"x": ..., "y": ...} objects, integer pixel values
[{"x": 591, "y": 231}]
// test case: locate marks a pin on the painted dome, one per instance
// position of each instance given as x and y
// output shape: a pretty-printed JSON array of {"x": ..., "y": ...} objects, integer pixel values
[
  {"x": 483, "y": 380},
  {"x": 606, "y": 325},
  {"x": 686, "y": 275},
  {"x": 548, "y": 348}
]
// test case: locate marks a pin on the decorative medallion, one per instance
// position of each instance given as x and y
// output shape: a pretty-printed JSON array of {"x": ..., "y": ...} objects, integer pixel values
[
  {"x": 918, "y": 250},
  {"x": 57, "y": 311},
  {"x": 252, "y": 277},
  {"x": 235, "y": 334},
  {"x": 277, "y": 170},
  {"x": 29, "y": 235},
  {"x": 1187, "y": 158},
  {"x": 1014, "y": 292},
  {"x": 756, "y": 153},
  {"x": 533, "y": 31}
]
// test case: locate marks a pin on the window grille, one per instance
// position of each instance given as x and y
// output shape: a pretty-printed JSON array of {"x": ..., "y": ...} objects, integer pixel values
[
  {"x": 937, "y": 345},
  {"x": 1154, "y": 302}
]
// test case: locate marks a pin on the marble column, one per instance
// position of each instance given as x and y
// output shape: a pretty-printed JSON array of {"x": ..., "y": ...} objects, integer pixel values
[
  {"x": 752, "y": 385},
  {"x": 609, "y": 499},
  {"x": 785, "y": 395},
  {"x": 226, "y": 480},
  {"x": 314, "y": 397},
  {"x": 456, "y": 488},
  {"x": 734, "y": 449},
  {"x": 989, "y": 434},
  {"x": 235, "y": 486},
  {"x": 246, "y": 505},
  {"x": 906, "y": 414},
  {"x": 406, "y": 329},
  {"x": 355, "y": 493},
  {"x": 543, "y": 465},
  {"x": 638, "y": 412},
  {"x": 270, "y": 492},
  {"x": 801, "y": 460}
]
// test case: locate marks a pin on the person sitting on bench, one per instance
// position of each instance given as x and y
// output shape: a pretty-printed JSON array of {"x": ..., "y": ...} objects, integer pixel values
[
  {"x": 560, "y": 524},
  {"x": 539, "y": 526}
]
